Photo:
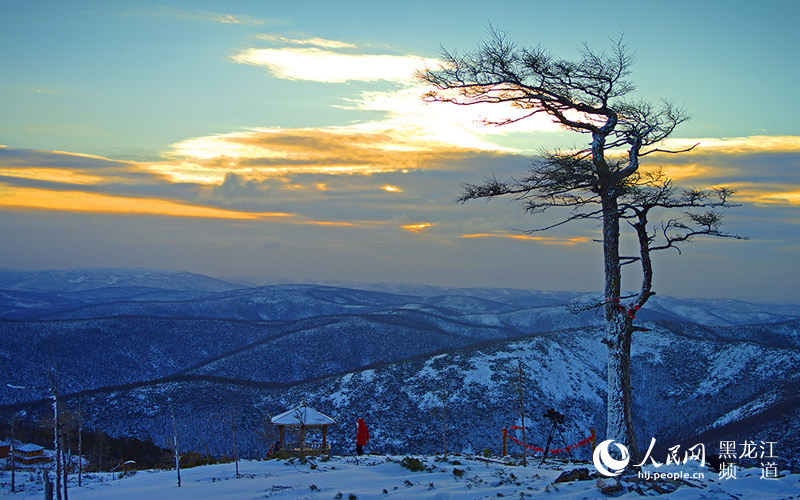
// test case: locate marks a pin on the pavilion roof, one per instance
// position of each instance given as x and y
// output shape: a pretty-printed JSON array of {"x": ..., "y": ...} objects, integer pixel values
[{"x": 302, "y": 415}]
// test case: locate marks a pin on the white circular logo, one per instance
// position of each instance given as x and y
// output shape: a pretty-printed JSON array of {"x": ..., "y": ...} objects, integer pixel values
[{"x": 605, "y": 463}]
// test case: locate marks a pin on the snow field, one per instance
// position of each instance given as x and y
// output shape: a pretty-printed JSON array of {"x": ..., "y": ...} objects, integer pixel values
[{"x": 383, "y": 477}]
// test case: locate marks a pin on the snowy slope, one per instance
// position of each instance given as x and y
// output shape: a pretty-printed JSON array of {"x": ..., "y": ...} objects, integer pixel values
[
  {"x": 342, "y": 344},
  {"x": 383, "y": 477}
]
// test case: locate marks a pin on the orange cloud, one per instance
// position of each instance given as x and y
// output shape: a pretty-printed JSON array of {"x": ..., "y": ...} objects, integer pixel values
[
  {"x": 52, "y": 175},
  {"x": 790, "y": 197},
  {"x": 415, "y": 228},
  {"x": 693, "y": 170},
  {"x": 70, "y": 168},
  {"x": 130, "y": 184},
  {"x": 772, "y": 194},
  {"x": 546, "y": 240},
  {"x": 327, "y": 223},
  {"x": 78, "y": 201},
  {"x": 763, "y": 169},
  {"x": 259, "y": 154}
]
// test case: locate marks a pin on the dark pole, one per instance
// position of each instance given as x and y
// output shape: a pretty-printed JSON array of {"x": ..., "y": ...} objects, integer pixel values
[
  {"x": 13, "y": 460},
  {"x": 175, "y": 443},
  {"x": 235, "y": 449},
  {"x": 80, "y": 442}
]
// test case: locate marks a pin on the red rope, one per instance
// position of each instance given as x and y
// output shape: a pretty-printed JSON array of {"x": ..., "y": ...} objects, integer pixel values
[{"x": 580, "y": 443}]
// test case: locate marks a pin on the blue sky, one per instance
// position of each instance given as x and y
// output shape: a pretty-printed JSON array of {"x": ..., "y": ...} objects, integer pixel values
[{"x": 287, "y": 140}]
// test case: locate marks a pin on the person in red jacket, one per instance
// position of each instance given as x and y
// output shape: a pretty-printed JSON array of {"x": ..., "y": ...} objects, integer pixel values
[{"x": 362, "y": 436}]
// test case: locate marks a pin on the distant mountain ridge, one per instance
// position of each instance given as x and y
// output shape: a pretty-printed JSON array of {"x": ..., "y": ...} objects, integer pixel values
[
  {"x": 92, "y": 293},
  {"x": 73, "y": 280}
]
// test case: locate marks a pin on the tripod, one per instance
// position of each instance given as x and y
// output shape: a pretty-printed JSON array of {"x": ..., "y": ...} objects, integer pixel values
[{"x": 557, "y": 419}]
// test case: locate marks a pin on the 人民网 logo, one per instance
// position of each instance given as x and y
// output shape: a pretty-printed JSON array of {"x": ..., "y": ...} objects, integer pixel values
[{"x": 605, "y": 463}]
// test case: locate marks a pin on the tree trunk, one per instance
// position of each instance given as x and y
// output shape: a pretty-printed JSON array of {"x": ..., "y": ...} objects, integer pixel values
[
  {"x": 65, "y": 459},
  {"x": 444, "y": 421},
  {"x": 619, "y": 425},
  {"x": 56, "y": 440},
  {"x": 618, "y": 333}
]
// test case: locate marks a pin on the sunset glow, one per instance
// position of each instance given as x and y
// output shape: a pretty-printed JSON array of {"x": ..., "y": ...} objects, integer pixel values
[{"x": 274, "y": 140}]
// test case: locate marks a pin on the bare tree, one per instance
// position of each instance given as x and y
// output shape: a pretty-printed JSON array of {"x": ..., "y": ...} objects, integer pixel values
[
  {"x": 175, "y": 444},
  {"x": 53, "y": 378},
  {"x": 12, "y": 452},
  {"x": 231, "y": 416},
  {"x": 443, "y": 396},
  {"x": 80, "y": 442},
  {"x": 522, "y": 417},
  {"x": 602, "y": 181}
]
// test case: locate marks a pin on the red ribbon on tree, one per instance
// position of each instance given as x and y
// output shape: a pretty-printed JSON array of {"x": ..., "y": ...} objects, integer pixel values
[{"x": 631, "y": 312}]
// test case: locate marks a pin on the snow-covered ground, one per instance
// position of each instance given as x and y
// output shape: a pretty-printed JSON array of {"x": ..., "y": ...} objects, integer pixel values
[{"x": 383, "y": 477}]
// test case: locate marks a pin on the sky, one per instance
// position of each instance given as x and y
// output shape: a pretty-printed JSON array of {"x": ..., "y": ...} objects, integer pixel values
[{"x": 287, "y": 141}]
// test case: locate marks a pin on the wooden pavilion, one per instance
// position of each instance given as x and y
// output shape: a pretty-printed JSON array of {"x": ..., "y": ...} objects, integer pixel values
[{"x": 295, "y": 426}]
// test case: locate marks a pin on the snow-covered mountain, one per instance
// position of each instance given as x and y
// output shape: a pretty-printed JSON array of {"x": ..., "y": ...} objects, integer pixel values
[
  {"x": 687, "y": 387},
  {"x": 128, "y": 345}
]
